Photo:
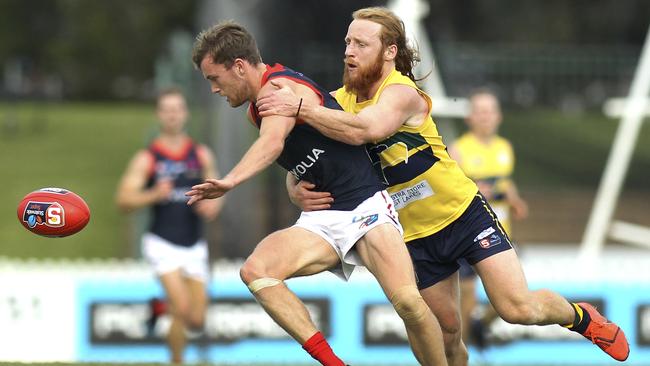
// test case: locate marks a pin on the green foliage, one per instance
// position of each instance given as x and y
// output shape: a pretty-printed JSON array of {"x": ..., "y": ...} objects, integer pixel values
[{"x": 91, "y": 45}]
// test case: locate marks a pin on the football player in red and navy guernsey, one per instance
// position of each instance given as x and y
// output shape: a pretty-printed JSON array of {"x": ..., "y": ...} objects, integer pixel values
[{"x": 158, "y": 177}]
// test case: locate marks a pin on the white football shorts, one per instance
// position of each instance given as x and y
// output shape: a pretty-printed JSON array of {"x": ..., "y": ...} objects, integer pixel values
[
  {"x": 342, "y": 229},
  {"x": 165, "y": 257}
]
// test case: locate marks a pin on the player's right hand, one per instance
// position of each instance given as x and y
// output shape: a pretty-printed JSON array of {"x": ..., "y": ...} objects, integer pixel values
[
  {"x": 302, "y": 196},
  {"x": 211, "y": 188},
  {"x": 163, "y": 189}
]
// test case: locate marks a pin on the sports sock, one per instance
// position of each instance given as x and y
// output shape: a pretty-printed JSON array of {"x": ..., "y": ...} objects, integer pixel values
[
  {"x": 321, "y": 351},
  {"x": 581, "y": 320}
]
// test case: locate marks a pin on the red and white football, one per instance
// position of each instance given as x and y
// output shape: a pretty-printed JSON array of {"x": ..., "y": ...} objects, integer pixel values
[{"x": 53, "y": 212}]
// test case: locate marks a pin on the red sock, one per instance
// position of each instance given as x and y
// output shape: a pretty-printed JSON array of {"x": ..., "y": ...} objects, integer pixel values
[{"x": 321, "y": 351}]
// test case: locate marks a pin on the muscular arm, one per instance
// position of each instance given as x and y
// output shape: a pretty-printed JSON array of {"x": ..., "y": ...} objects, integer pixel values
[
  {"x": 262, "y": 153},
  {"x": 397, "y": 105},
  {"x": 131, "y": 193}
]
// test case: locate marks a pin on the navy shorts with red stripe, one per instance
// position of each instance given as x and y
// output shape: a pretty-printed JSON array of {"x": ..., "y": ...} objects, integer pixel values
[{"x": 474, "y": 236}]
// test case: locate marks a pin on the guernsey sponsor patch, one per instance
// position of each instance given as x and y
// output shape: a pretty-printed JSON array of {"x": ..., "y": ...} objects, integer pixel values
[{"x": 408, "y": 195}]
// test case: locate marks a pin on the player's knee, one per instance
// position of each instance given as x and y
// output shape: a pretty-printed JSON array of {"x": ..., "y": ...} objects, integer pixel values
[
  {"x": 196, "y": 320},
  {"x": 518, "y": 313},
  {"x": 255, "y": 277},
  {"x": 450, "y": 323},
  {"x": 409, "y": 305},
  {"x": 181, "y": 311},
  {"x": 254, "y": 274},
  {"x": 252, "y": 270}
]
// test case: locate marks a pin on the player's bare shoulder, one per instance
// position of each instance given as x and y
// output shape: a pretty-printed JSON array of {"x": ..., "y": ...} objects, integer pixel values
[{"x": 141, "y": 161}]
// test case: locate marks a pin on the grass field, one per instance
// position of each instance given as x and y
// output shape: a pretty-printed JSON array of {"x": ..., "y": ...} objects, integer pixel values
[
  {"x": 80, "y": 147},
  {"x": 569, "y": 150},
  {"x": 85, "y": 147}
]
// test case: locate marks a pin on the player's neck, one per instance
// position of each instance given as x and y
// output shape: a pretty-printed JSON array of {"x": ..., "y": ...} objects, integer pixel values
[
  {"x": 257, "y": 74},
  {"x": 173, "y": 140},
  {"x": 485, "y": 139}
]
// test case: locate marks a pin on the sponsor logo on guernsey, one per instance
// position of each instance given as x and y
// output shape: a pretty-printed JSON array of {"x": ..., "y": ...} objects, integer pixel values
[
  {"x": 306, "y": 163},
  {"x": 44, "y": 213},
  {"x": 178, "y": 194},
  {"x": 367, "y": 220},
  {"x": 408, "y": 195},
  {"x": 493, "y": 240},
  {"x": 484, "y": 233},
  {"x": 170, "y": 169}
]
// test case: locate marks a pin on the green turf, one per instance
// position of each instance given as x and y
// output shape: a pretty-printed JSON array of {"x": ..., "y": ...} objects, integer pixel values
[
  {"x": 85, "y": 147},
  {"x": 569, "y": 150},
  {"x": 77, "y": 146}
]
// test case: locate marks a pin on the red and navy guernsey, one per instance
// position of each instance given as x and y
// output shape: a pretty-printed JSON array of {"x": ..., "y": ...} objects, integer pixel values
[{"x": 332, "y": 166}]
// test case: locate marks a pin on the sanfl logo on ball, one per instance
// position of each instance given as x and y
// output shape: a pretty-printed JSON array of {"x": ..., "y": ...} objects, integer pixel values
[{"x": 44, "y": 213}]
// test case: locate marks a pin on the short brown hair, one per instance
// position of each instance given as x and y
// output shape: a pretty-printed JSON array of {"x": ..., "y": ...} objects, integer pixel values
[
  {"x": 171, "y": 90},
  {"x": 225, "y": 42},
  {"x": 392, "y": 32}
]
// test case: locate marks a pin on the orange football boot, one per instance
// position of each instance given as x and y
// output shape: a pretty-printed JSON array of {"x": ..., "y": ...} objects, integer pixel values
[{"x": 605, "y": 334}]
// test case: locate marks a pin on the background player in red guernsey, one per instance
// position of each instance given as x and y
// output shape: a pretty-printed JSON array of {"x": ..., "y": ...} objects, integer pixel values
[
  {"x": 360, "y": 229},
  {"x": 158, "y": 177}
]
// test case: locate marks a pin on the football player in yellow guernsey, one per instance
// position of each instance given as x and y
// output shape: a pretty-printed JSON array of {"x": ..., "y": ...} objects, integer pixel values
[
  {"x": 488, "y": 159},
  {"x": 443, "y": 215}
]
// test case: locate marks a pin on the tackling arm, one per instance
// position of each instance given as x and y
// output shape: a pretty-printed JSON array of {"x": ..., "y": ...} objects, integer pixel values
[{"x": 397, "y": 105}]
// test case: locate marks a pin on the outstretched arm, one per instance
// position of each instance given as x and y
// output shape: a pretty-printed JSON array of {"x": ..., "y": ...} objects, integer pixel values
[
  {"x": 264, "y": 151},
  {"x": 397, "y": 105}
]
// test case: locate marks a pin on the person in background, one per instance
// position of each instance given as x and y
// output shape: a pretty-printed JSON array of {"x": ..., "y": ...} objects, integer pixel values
[
  {"x": 158, "y": 177},
  {"x": 488, "y": 159}
]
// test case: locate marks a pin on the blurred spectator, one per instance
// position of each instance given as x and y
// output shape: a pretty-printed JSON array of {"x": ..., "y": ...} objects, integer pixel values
[
  {"x": 158, "y": 177},
  {"x": 488, "y": 159}
]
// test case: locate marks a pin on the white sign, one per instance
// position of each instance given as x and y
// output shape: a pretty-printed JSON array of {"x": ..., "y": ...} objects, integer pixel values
[{"x": 38, "y": 319}]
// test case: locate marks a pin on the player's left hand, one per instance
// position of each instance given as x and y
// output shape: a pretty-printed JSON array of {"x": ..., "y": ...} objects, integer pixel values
[
  {"x": 280, "y": 101},
  {"x": 211, "y": 188}
]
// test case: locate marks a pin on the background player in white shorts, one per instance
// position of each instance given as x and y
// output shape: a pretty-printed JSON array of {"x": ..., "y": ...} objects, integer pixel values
[
  {"x": 157, "y": 177},
  {"x": 361, "y": 228}
]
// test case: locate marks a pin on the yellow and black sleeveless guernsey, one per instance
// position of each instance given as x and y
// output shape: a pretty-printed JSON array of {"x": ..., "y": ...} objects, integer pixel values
[
  {"x": 491, "y": 164},
  {"x": 429, "y": 189}
]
